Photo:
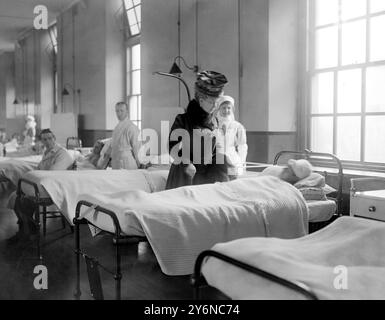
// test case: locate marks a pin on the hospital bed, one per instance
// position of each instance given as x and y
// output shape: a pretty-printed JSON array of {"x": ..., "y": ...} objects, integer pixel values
[
  {"x": 344, "y": 260},
  {"x": 317, "y": 213},
  {"x": 179, "y": 223}
]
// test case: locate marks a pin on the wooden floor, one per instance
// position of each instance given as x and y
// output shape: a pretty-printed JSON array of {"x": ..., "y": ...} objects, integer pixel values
[{"x": 142, "y": 277}]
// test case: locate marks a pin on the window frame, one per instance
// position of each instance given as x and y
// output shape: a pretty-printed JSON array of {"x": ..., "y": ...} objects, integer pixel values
[
  {"x": 309, "y": 70},
  {"x": 127, "y": 22},
  {"x": 131, "y": 41}
]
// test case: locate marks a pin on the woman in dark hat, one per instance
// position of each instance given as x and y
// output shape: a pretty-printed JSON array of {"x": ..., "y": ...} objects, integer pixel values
[{"x": 192, "y": 137}]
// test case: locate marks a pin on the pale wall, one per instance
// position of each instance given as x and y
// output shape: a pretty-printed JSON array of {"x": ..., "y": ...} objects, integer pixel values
[
  {"x": 283, "y": 64},
  {"x": 252, "y": 42},
  {"x": 96, "y": 74}
]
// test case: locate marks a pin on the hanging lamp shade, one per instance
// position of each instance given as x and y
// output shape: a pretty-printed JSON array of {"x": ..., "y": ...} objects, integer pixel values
[{"x": 175, "y": 69}]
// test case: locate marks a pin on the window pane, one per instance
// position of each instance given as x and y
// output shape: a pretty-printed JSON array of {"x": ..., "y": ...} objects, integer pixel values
[
  {"x": 134, "y": 108},
  {"x": 131, "y": 17},
  {"x": 375, "y": 139},
  {"x": 136, "y": 82},
  {"x": 140, "y": 107},
  {"x": 377, "y": 5},
  {"x": 322, "y": 93},
  {"x": 353, "y": 42},
  {"x": 326, "y": 12},
  {"x": 322, "y": 134},
  {"x": 136, "y": 57},
  {"x": 377, "y": 43},
  {"x": 375, "y": 93},
  {"x": 128, "y": 59},
  {"x": 349, "y": 140},
  {"x": 138, "y": 13},
  {"x": 136, "y": 2},
  {"x": 326, "y": 47},
  {"x": 352, "y": 9},
  {"x": 134, "y": 29},
  {"x": 128, "y": 4},
  {"x": 128, "y": 84},
  {"x": 349, "y": 91}
]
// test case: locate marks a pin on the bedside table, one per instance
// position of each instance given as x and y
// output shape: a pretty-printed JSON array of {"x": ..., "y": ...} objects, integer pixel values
[
  {"x": 368, "y": 204},
  {"x": 367, "y": 198}
]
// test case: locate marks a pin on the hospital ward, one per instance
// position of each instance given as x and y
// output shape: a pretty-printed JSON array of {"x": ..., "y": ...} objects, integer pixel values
[{"x": 203, "y": 150}]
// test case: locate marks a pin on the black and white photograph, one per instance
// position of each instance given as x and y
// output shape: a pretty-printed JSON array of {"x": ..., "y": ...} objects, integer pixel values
[{"x": 200, "y": 152}]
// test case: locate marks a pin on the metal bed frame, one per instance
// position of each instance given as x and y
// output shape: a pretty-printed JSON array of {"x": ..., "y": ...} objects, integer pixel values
[
  {"x": 92, "y": 263},
  {"x": 328, "y": 157},
  {"x": 198, "y": 281},
  {"x": 73, "y": 143}
]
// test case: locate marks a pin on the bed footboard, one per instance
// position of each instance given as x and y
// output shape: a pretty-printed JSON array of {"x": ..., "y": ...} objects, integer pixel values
[
  {"x": 198, "y": 280},
  {"x": 92, "y": 263}
]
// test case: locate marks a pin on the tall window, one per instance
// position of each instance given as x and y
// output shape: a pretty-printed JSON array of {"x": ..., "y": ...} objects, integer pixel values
[
  {"x": 133, "y": 84},
  {"x": 134, "y": 98},
  {"x": 347, "y": 79},
  {"x": 133, "y": 10},
  {"x": 53, "y": 37}
]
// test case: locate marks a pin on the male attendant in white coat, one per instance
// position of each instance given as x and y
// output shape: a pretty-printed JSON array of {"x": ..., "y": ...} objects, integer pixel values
[{"x": 125, "y": 142}]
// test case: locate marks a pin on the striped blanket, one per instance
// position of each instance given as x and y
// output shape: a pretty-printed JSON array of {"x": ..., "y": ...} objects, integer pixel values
[{"x": 180, "y": 223}]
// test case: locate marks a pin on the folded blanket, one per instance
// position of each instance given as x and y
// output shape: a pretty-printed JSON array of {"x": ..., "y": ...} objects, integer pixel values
[
  {"x": 345, "y": 260},
  {"x": 180, "y": 223}
]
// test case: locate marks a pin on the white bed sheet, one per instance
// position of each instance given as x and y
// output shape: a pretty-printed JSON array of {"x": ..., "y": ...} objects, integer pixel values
[
  {"x": 63, "y": 187},
  {"x": 314, "y": 260},
  {"x": 181, "y": 222}
]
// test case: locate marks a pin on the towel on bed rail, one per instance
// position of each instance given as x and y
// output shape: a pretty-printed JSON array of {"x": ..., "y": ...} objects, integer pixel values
[
  {"x": 180, "y": 223},
  {"x": 349, "y": 246}
]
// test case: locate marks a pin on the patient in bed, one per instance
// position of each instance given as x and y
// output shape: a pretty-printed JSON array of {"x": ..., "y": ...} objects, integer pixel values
[
  {"x": 55, "y": 157},
  {"x": 295, "y": 171},
  {"x": 92, "y": 160}
]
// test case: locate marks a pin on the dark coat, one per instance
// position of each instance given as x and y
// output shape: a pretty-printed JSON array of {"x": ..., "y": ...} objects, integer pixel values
[{"x": 195, "y": 118}]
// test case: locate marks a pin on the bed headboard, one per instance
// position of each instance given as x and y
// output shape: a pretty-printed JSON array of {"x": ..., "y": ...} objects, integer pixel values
[{"x": 320, "y": 158}]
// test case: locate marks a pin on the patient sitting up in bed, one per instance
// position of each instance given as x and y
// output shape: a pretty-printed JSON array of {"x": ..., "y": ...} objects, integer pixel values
[
  {"x": 93, "y": 159},
  {"x": 55, "y": 157}
]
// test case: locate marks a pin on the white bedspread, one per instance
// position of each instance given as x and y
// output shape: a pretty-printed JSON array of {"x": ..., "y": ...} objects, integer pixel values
[
  {"x": 180, "y": 223},
  {"x": 12, "y": 169},
  {"x": 64, "y": 186},
  {"x": 317, "y": 260}
]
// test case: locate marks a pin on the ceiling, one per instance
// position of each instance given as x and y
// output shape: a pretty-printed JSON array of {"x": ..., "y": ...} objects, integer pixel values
[{"x": 16, "y": 17}]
